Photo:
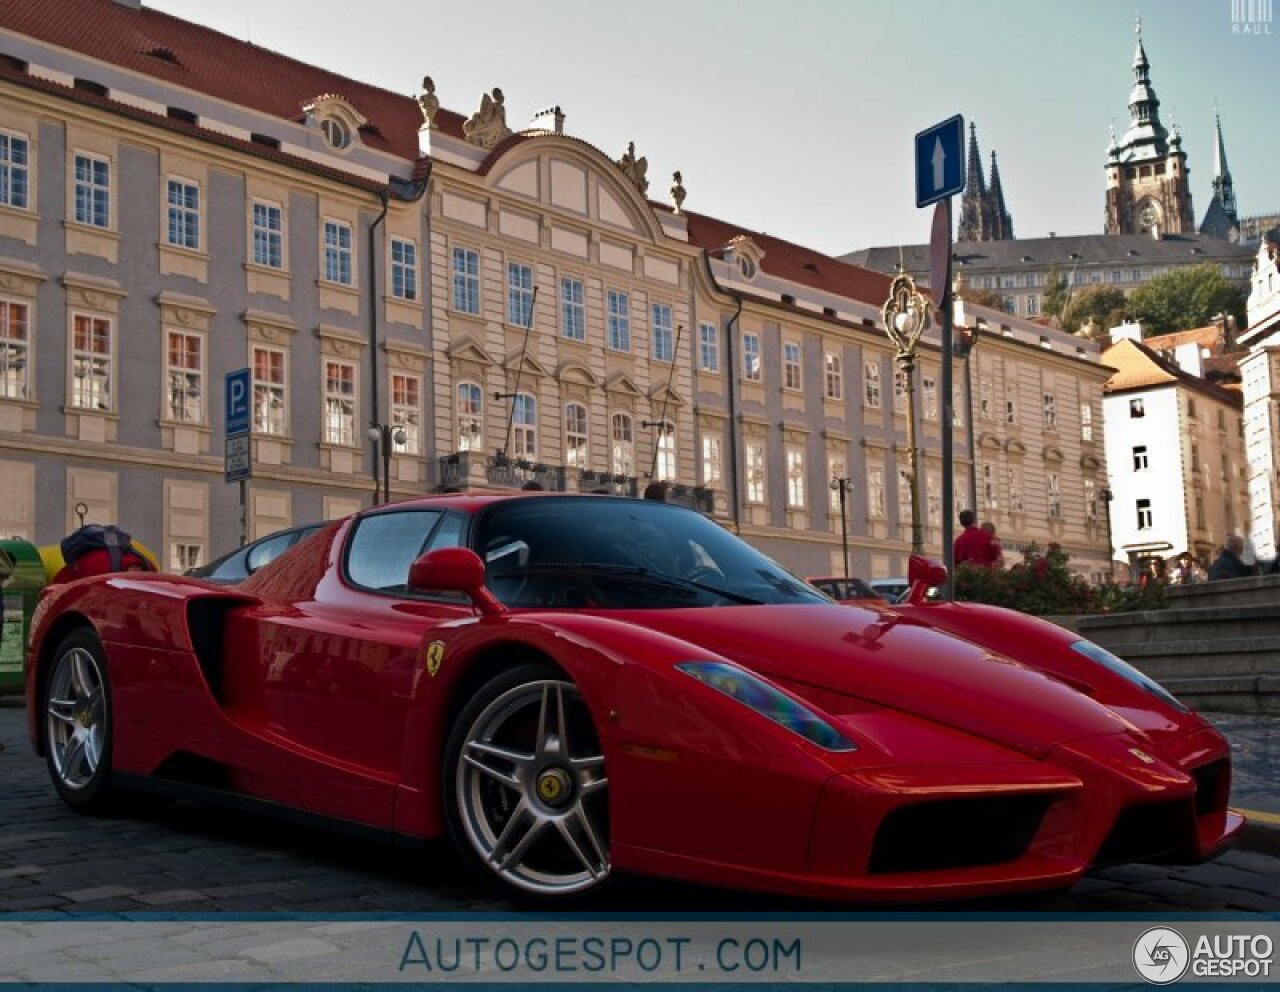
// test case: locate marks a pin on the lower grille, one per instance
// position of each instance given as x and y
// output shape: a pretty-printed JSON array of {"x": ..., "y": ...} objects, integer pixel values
[
  {"x": 1150, "y": 833},
  {"x": 1211, "y": 786},
  {"x": 957, "y": 833}
]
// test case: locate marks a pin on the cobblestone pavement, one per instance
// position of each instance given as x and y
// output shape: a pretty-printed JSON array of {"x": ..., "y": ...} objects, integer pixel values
[{"x": 199, "y": 859}]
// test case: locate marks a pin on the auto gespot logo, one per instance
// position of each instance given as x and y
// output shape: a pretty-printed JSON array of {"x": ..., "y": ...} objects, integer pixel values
[{"x": 1161, "y": 955}]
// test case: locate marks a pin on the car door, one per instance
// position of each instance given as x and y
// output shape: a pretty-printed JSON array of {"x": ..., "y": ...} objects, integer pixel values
[{"x": 336, "y": 674}]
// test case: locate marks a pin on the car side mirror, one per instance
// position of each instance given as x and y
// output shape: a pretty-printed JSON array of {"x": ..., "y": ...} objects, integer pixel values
[
  {"x": 454, "y": 570},
  {"x": 924, "y": 574}
]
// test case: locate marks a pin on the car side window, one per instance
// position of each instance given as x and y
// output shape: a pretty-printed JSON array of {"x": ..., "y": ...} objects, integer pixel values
[
  {"x": 268, "y": 550},
  {"x": 385, "y": 545}
]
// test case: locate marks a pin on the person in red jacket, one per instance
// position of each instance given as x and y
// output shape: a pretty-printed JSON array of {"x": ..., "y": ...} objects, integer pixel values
[
  {"x": 975, "y": 545},
  {"x": 98, "y": 562}
]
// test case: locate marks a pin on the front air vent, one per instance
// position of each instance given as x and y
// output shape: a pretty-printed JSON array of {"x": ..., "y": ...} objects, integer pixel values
[{"x": 957, "y": 833}]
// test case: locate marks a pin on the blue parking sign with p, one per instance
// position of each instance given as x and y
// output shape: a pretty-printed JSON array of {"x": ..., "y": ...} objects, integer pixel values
[{"x": 237, "y": 402}]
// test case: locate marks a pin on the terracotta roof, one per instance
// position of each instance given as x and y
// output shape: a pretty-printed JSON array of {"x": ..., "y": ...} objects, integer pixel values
[
  {"x": 1138, "y": 367},
  {"x": 1209, "y": 336},
  {"x": 185, "y": 54},
  {"x": 794, "y": 262}
]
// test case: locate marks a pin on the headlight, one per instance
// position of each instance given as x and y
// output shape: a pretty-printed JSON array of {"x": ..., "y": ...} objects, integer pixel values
[
  {"x": 777, "y": 706},
  {"x": 1122, "y": 668}
]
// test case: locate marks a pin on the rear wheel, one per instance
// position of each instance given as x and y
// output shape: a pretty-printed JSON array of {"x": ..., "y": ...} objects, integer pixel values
[
  {"x": 526, "y": 792},
  {"x": 77, "y": 722}
]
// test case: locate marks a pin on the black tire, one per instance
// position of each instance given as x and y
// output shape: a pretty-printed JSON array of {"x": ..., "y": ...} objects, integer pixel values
[
  {"x": 77, "y": 719},
  {"x": 525, "y": 789}
]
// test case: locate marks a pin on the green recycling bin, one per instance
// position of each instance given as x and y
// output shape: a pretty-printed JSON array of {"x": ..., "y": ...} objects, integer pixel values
[{"x": 18, "y": 595}]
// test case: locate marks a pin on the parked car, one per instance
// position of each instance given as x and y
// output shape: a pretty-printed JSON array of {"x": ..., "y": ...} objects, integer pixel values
[
  {"x": 238, "y": 565},
  {"x": 572, "y": 686},
  {"x": 891, "y": 589},
  {"x": 842, "y": 589}
]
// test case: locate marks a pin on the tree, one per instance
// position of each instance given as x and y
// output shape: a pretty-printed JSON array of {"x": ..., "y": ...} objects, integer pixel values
[
  {"x": 1055, "y": 294},
  {"x": 984, "y": 297},
  {"x": 1095, "y": 302},
  {"x": 1185, "y": 298}
]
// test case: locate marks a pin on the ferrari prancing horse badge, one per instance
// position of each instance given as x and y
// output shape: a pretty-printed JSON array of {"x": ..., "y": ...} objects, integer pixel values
[{"x": 435, "y": 655}]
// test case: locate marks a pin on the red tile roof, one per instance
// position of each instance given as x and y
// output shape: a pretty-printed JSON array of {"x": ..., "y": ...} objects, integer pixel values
[{"x": 199, "y": 58}]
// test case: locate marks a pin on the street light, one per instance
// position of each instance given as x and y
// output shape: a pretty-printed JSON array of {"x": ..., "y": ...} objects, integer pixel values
[
  {"x": 383, "y": 436},
  {"x": 842, "y": 485},
  {"x": 906, "y": 317},
  {"x": 1106, "y": 495}
]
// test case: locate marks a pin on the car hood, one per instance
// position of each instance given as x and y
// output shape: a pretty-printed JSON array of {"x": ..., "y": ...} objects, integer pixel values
[{"x": 840, "y": 655}]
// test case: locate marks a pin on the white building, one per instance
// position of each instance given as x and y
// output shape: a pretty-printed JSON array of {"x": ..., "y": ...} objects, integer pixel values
[
  {"x": 1261, "y": 372},
  {"x": 1175, "y": 454}
]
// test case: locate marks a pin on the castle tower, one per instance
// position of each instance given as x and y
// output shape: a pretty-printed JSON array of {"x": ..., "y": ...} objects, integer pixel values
[
  {"x": 1221, "y": 219},
  {"x": 1147, "y": 187}
]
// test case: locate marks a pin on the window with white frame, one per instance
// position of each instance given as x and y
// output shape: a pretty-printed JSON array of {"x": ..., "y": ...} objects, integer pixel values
[
  {"x": 708, "y": 347},
  {"x": 755, "y": 471},
  {"x": 1145, "y": 520},
  {"x": 1033, "y": 305},
  {"x": 871, "y": 385},
  {"x": 466, "y": 280},
  {"x": 470, "y": 416},
  {"x": 904, "y": 497},
  {"x": 15, "y": 353},
  {"x": 986, "y": 409},
  {"x": 795, "y": 478},
  {"x": 524, "y": 426},
  {"x": 930, "y": 388},
  {"x": 1200, "y": 511},
  {"x": 1015, "y": 488},
  {"x": 91, "y": 367},
  {"x": 15, "y": 164},
  {"x": 834, "y": 375},
  {"x": 1050, "y": 412},
  {"x": 1055, "y": 497},
  {"x": 665, "y": 465},
  {"x": 404, "y": 269},
  {"x": 519, "y": 294},
  {"x": 269, "y": 396},
  {"x": 875, "y": 491},
  {"x": 268, "y": 235},
  {"x": 957, "y": 404},
  {"x": 1137, "y": 408},
  {"x": 184, "y": 556},
  {"x": 337, "y": 252},
  {"x": 1090, "y": 500},
  {"x": 792, "y": 374},
  {"x": 622, "y": 449},
  {"x": 1140, "y": 459},
  {"x": 92, "y": 191},
  {"x": 751, "y": 370},
  {"x": 573, "y": 310},
  {"x": 990, "y": 497},
  {"x": 339, "y": 402},
  {"x": 575, "y": 435},
  {"x": 933, "y": 499},
  {"x": 899, "y": 391},
  {"x": 1086, "y": 422},
  {"x": 406, "y": 413},
  {"x": 185, "y": 374},
  {"x": 618, "y": 321},
  {"x": 835, "y": 472},
  {"x": 663, "y": 335},
  {"x": 183, "y": 230},
  {"x": 712, "y": 461}
]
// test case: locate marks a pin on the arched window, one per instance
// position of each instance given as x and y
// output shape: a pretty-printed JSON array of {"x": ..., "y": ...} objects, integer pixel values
[
  {"x": 470, "y": 417},
  {"x": 575, "y": 435},
  {"x": 665, "y": 465},
  {"x": 623, "y": 452},
  {"x": 524, "y": 426}
]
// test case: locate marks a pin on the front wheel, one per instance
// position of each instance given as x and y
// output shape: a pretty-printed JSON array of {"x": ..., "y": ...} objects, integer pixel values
[
  {"x": 526, "y": 794},
  {"x": 77, "y": 720}
]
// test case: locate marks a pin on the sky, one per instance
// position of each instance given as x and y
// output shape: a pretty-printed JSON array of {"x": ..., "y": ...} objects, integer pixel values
[{"x": 798, "y": 117}]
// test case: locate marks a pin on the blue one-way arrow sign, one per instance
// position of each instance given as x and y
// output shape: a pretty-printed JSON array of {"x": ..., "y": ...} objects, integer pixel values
[{"x": 940, "y": 161}]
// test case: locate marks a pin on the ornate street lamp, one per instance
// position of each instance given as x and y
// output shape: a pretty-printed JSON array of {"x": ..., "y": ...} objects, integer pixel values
[
  {"x": 841, "y": 486},
  {"x": 383, "y": 436},
  {"x": 906, "y": 317},
  {"x": 1106, "y": 495}
]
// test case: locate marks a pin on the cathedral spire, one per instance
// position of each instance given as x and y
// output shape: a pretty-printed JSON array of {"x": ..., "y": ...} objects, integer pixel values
[
  {"x": 983, "y": 216},
  {"x": 1001, "y": 222},
  {"x": 1221, "y": 219},
  {"x": 974, "y": 182}
]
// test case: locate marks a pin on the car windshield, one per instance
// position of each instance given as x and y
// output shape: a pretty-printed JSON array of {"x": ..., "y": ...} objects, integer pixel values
[{"x": 607, "y": 553}]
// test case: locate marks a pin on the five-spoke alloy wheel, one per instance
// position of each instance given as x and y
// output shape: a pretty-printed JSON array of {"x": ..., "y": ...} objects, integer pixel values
[
  {"x": 525, "y": 784},
  {"x": 77, "y": 722}
]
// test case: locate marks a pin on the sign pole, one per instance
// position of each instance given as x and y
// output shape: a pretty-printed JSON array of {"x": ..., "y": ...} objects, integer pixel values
[
  {"x": 244, "y": 517},
  {"x": 942, "y": 213}
]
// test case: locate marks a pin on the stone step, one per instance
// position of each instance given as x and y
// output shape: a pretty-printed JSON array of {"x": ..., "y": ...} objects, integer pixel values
[
  {"x": 1186, "y": 659},
  {"x": 1254, "y": 694},
  {"x": 1257, "y": 590},
  {"x": 1200, "y": 623}
]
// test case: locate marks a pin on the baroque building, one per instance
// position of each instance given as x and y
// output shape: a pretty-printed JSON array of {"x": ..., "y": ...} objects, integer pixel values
[
  {"x": 1147, "y": 187},
  {"x": 504, "y": 305},
  {"x": 1260, "y": 372}
]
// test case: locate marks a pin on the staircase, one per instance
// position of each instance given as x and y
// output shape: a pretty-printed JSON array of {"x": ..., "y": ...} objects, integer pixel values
[{"x": 1216, "y": 646}]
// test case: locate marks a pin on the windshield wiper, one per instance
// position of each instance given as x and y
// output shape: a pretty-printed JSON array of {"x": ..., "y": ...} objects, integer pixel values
[{"x": 636, "y": 572}]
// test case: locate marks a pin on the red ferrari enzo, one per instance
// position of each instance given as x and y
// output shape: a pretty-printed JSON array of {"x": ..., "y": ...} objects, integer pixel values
[{"x": 570, "y": 686}]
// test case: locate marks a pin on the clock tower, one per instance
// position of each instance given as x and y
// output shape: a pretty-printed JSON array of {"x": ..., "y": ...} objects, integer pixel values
[{"x": 1147, "y": 187}]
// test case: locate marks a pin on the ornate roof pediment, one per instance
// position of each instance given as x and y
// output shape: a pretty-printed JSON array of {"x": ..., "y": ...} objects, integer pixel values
[
  {"x": 665, "y": 396},
  {"x": 989, "y": 441},
  {"x": 468, "y": 349},
  {"x": 620, "y": 382},
  {"x": 525, "y": 364},
  {"x": 576, "y": 372},
  {"x": 1052, "y": 454},
  {"x": 1015, "y": 447}
]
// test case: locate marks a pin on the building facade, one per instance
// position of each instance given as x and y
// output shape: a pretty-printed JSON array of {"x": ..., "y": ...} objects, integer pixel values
[
  {"x": 502, "y": 307},
  {"x": 1175, "y": 453},
  {"x": 1260, "y": 371}
]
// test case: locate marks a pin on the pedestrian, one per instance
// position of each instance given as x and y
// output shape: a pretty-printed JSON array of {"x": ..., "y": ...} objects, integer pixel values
[
  {"x": 1184, "y": 572},
  {"x": 997, "y": 548},
  {"x": 974, "y": 545},
  {"x": 656, "y": 490},
  {"x": 1229, "y": 564},
  {"x": 532, "y": 486}
]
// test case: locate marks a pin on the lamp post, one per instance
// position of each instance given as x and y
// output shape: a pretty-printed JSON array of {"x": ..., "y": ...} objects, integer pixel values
[
  {"x": 841, "y": 486},
  {"x": 906, "y": 317},
  {"x": 383, "y": 436},
  {"x": 1106, "y": 495}
]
